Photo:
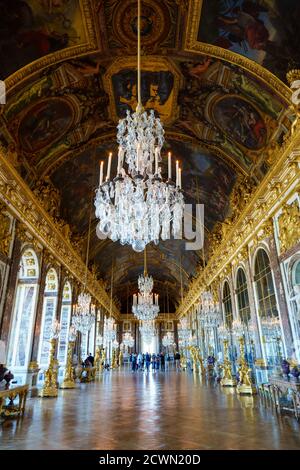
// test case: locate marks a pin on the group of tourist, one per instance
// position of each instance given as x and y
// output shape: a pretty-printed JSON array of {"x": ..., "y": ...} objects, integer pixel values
[{"x": 145, "y": 361}]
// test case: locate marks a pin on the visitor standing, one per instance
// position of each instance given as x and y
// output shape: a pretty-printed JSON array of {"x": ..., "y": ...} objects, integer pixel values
[
  {"x": 148, "y": 361},
  {"x": 177, "y": 360},
  {"x": 162, "y": 361},
  {"x": 133, "y": 362}
]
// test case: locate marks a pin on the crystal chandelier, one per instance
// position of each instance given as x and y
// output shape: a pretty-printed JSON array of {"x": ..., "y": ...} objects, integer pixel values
[
  {"x": 148, "y": 331},
  {"x": 128, "y": 340},
  {"x": 109, "y": 333},
  {"x": 137, "y": 206},
  {"x": 208, "y": 311},
  {"x": 168, "y": 339},
  {"x": 115, "y": 344},
  {"x": 184, "y": 331},
  {"x": 83, "y": 313},
  {"x": 145, "y": 303}
]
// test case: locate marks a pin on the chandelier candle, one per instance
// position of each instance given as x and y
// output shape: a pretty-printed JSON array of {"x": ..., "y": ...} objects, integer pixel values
[
  {"x": 101, "y": 174},
  {"x": 169, "y": 167},
  {"x": 139, "y": 207},
  {"x": 109, "y": 167}
]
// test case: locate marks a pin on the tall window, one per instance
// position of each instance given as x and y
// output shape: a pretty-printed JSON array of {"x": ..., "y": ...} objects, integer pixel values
[
  {"x": 227, "y": 303},
  {"x": 65, "y": 317},
  {"x": 49, "y": 309},
  {"x": 242, "y": 296},
  {"x": 295, "y": 306},
  {"x": 24, "y": 311},
  {"x": 267, "y": 308}
]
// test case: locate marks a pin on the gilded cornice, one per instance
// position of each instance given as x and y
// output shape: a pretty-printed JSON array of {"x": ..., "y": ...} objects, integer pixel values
[
  {"x": 255, "y": 220},
  {"x": 191, "y": 44},
  {"x": 25, "y": 207}
]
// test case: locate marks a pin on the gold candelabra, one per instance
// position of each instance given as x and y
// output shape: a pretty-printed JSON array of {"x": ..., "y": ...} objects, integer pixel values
[
  {"x": 197, "y": 360},
  {"x": 114, "y": 359},
  {"x": 227, "y": 379},
  {"x": 98, "y": 359},
  {"x": 50, "y": 388},
  {"x": 245, "y": 385},
  {"x": 69, "y": 381},
  {"x": 120, "y": 358}
]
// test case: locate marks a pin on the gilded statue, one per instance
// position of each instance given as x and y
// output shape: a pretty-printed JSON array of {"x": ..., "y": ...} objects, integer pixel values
[
  {"x": 48, "y": 196},
  {"x": 289, "y": 226}
]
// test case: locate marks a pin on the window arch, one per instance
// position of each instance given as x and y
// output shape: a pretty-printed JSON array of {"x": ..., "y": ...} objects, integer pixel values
[
  {"x": 48, "y": 316},
  {"x": 227, "y": 303},
  {"x": 242, "y": 296},
  {"x": 267, "y": 307},
  {"x": 65, "y": 318},
  {"x": 20, "y": 340}
]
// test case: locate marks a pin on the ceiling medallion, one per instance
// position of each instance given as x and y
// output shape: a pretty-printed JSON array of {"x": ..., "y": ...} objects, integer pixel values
[
  {"x": 137, "y": 206},
  {"x": 154, "y": 20}
]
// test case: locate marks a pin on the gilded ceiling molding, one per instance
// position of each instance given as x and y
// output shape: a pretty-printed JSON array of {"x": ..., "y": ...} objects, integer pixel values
[
  {"x": 191, "y": 44},
  {"x": 93, "y": 44},
  {"x": 34, "y": 219},
  {"x": 255, "y": 219}
]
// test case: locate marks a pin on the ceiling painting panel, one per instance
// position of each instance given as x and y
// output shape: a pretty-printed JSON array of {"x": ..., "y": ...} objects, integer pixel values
[{"x": 263, "y": 31}]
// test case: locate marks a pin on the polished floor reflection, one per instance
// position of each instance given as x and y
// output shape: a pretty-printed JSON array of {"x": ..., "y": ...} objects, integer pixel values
[{"x": 171, "y": 410}]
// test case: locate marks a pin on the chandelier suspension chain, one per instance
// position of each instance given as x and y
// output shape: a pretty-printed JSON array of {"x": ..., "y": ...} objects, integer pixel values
[{"x": 139, "y": 106}]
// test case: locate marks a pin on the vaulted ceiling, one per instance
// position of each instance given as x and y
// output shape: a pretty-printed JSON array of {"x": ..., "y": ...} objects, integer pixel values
[{"x": 214, "y": 72}]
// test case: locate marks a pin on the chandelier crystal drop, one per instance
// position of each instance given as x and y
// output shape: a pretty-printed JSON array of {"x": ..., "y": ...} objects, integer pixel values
[
  {"x": 84, "y": 313},
  {"x": 128, "y": 340},
  {"x": 145, "y": 306},
  {"x": 184, "y": 330},
  {"x": 145, "y": 284},
  {"x": 137, "y": 207},
  {"x": 148, "y": 331},
  {"x": 168, "y": 339},
  {"x": 208, "y": 311},
  {"x": 109, "y": 333}
]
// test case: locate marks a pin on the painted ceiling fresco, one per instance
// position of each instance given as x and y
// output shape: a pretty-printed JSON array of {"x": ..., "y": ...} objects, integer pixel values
[
  {"x": 32, "y": 29},
  {"x": 265, "y": 31},
  {"x": 221, "y": 120}
]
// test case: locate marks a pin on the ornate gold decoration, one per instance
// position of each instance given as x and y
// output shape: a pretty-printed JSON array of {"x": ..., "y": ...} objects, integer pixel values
[
  {"x": 197, "y": 360},
  {"x": 227, "y": 379},
  {"x": 48, "y": 196},
  {"x": 245, "y": 385},
  {"x": 25, "y": 207},
  {"x": 120, "y": 358},
  {"x": 33, "y": 366},
  {"x": 114, "y": 359},
  {"x": 279, "y": 183},
  {"x": 11, "y": 409},
  {"x": 69, "y": 381},
  {"x": 289, "y": 226},
  {"x": 98, "y": 359},
  {"x": 5, "y": 232},
  {"x": 50, "y": 385}
]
